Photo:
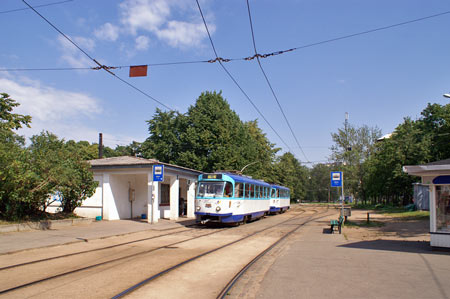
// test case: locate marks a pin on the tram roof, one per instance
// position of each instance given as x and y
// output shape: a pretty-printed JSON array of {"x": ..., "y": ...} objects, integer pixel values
[
  {"x": 244, "y": 179},
  {"x": 279, "y": 187}
]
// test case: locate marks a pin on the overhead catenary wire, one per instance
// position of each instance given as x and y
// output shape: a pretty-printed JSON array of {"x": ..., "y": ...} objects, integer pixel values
[
  {"x": 248, "y": 58},
  {"x": 41, "y": 5},
  {"x": 95, "y": 61},
  {"x": 270, "y": 85},
  {"x": 234, "y": 80}
]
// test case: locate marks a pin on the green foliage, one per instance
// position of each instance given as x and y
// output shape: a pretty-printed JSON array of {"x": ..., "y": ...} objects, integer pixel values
[
  {"x": 318, "y": 184},
  {"x": 10, "y": 121},
  {"x": 290, "y": 173},
  {"x": 209, "y": 137},
  {"x": 30, "y": 175},
  {"x": 353, "y": 146}
]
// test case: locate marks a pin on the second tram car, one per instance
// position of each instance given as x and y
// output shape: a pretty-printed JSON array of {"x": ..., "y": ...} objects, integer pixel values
[
  {"x": 231, "y": 198},
  {"x": 280, "y": 200}
]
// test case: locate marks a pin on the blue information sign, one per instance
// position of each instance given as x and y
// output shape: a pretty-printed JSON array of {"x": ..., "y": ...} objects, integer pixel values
[
  {"x": 158, "y": 173},
  {"x": 336, "y": 179}
]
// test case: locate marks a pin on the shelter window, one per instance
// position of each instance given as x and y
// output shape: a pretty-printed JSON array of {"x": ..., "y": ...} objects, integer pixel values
[
  {"x": 443, "y": 208},
  {"x": 165, "y": 195},
  {"x": 211, "y": 189},
  {"x": 239, "y": 190}
]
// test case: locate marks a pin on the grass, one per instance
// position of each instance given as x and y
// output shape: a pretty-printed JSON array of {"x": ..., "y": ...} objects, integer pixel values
[
  {"x": 408, "y": 215},
  {"x": 42, "y": 217},
  {"x": 363, "y": 224}
]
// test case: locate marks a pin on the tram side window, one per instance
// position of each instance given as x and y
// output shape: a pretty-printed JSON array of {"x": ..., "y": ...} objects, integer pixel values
[
  {"x": 228, "y": 191},
  {"x": 273, "y": 193},
  {"x": 238, "y": 190},
  {"x": 247, "y": 190},
  {"x": 257, "y": 191},
  {"x": 252, "y": 191}
]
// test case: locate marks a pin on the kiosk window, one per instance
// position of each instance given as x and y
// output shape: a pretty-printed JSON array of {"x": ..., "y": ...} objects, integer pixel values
[{"x": 443, "y": 208}]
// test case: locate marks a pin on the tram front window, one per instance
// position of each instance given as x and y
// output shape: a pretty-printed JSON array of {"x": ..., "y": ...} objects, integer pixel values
[{"x": 210, "y": 189}]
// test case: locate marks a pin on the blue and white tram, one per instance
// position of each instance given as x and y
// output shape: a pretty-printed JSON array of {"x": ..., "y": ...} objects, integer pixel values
[
  {"x": 280, "y": 200},
  {"x": 231, "y": 198}
]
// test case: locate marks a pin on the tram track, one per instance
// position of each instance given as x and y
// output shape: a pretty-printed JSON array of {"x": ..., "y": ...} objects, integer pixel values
[
  {"x": 128, "y": 257},
  {"x": 180, "y": 264},
  {"x": 103, "y": 263},
  {"x": 93, "y": 250},
  {"x": 226, "y": 290}
]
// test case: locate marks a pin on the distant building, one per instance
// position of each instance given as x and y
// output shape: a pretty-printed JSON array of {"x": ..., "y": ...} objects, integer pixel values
[{"x": 386, "y": 136}]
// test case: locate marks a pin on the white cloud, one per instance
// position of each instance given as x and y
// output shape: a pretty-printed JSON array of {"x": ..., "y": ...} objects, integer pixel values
[
  {"x": 146, "y": 15},
  {"x": 73, "y": 56},
  {"x": 107, "y": 32},
  {"x": 47, "y": 103},
  {"x": 142, "y": 42},
  {"x": 156, "y": 17},
  {"x": 58, "y": 111},
  {"x": 183, "y": 34}
]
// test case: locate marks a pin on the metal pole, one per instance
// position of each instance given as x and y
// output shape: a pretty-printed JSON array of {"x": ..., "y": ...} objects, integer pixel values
[{"x": 342, "y": 201}]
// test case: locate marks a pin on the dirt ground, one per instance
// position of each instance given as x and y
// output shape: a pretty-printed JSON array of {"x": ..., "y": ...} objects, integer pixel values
[{"x": 391, "y": 228}]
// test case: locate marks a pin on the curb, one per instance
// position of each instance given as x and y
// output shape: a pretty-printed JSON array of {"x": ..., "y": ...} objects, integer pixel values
[{"x": 43, "y": 225}]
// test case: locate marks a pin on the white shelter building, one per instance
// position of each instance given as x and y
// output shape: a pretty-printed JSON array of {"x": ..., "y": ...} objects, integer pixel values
[
  {"x": 127, "y": 189},
  {"x": 437, "y": 176}
]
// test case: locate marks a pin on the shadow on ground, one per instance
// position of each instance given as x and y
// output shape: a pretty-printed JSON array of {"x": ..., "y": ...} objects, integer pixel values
[{"x": 398, "y": 245}]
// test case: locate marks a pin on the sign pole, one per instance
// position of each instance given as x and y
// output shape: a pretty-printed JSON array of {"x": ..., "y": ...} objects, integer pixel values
[{"x": 342, "y": 191}]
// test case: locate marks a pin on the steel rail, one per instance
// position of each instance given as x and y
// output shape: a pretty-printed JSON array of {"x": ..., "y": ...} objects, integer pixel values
[
  {"x": 225, "y": 291},
  {"x": 103, "y": 263},
  {"x": 91, "y": 250},
  {"x": 157, "y": 275}
]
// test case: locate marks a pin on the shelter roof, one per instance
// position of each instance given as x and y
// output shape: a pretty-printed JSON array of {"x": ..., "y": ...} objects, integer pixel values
[
  {"x": 133, "y": 162},
  {"x": 123, "y": 160},
  {"x": 434, "y": 168}
]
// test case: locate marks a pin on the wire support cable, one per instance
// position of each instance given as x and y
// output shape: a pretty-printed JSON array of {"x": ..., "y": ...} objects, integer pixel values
[
  {"x": 270, "y": 85},
  {"x": 100, "y": 66},
  {"x": 42, "y": 5},
  {"x": 220, "y": 59},
  {"x": 234, "y": 80},
  {"x": 343, "y": 37}
]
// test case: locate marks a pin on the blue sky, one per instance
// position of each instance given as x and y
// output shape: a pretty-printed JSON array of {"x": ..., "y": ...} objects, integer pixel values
[{"x": 378, "y": 78}]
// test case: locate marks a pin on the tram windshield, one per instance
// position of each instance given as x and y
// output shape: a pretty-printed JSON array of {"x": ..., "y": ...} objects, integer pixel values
[{"x": 210, "y": 189}]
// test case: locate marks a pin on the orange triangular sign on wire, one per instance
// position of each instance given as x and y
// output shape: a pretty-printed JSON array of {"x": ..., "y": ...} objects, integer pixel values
[{"x": 138, "y": 71}]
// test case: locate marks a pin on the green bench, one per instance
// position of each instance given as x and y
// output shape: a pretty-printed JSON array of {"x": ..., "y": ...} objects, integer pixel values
[{"x": 336, "y": 223}]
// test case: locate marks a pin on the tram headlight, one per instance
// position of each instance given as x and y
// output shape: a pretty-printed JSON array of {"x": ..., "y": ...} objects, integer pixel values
[
  {"x": 218, "y": 209},
  {"x": 197, "y": 208}
]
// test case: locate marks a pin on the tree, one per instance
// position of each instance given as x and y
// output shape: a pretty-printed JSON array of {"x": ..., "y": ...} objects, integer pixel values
[
  {"x": 209, "y": 137},
  {"x": 13, "y": 178},
  {"x": 407, "y": 146},
  {"x": 318, "y": 184},
  {"x": 354, "y": 145},
  {"x": 165, "y": 140},
  {"x": 10, "y": 121},
  {"x": 290, "y": 173}
]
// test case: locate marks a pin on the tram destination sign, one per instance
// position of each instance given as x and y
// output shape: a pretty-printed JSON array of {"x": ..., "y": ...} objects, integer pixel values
[
  {"x": 336, "y": 178},
  {"x": 158, "y": 173}
]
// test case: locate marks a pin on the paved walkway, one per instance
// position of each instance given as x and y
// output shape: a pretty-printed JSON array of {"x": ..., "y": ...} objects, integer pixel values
[
  {"x": 317, "y": 264},
  {"x": 17, "y": 241}
]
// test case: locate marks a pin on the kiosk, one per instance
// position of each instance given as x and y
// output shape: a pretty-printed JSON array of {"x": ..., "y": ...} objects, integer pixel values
[{"x": 437, "y": 176}]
